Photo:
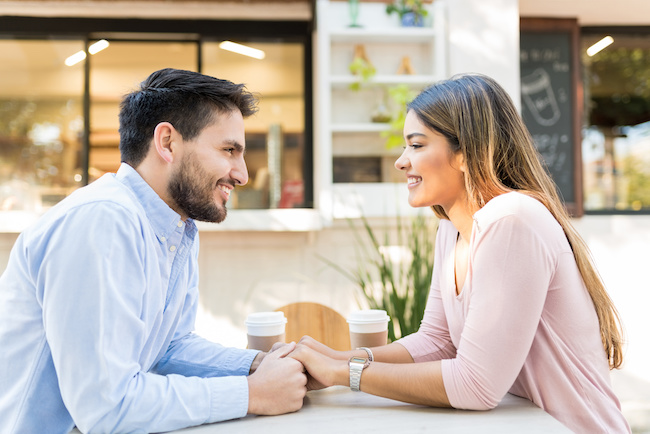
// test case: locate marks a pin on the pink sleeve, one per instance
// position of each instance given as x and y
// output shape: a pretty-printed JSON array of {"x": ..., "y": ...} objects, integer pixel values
[
  {"x": 432, "y": 340},
  {"x": 510, "y": 269}
]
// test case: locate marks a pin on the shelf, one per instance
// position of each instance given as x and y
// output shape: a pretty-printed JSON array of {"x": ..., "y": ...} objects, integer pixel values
[
  {"x": 370, "y": 127},
  {"x": 270, "y": 220},
  {"x": 283, "y": 220},
  {"x": 373, "y": 199},
  {"x": 351, "y": 148},
  {"x": 395, "y": 34},
  {"x": 340, "y": 81}
]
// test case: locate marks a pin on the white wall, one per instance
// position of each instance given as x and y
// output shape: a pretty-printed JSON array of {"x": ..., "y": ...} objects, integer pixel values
[
  {"x": 484, "y": 38},
  {"x": 243, "y": 272}
]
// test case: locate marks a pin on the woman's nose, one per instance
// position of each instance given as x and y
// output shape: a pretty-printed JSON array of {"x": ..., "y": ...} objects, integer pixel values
[{"x": 401, "y": 163}]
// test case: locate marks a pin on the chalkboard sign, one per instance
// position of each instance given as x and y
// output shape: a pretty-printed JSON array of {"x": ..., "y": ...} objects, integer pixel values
[{"x": 549, "y": 104}]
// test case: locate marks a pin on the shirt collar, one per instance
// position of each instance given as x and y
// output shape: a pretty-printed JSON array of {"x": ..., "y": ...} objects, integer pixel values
[{"x": 164, "y": 220}]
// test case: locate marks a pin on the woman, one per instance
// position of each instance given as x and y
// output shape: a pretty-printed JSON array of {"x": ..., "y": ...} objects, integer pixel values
[{"x": 515, "y": 304}]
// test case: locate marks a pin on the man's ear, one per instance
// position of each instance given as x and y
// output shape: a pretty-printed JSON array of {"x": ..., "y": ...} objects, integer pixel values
[{"x": 163, "y": 140}]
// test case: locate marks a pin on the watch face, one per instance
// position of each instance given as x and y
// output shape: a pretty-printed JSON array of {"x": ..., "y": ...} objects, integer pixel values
[{"x": 360, "y": 360}]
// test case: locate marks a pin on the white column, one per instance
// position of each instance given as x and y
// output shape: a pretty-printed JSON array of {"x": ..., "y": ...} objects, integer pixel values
[{"x": 484, "y": 38}]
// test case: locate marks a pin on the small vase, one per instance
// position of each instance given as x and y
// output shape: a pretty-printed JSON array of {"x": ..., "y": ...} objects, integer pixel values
[
  {"x": 412, "y": 19},
  {"x": 353, "y": 7}
]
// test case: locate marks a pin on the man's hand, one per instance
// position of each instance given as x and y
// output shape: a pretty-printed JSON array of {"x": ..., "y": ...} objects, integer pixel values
[
  {"x": 278, "y": 385},
  {"x": 260, "y": 356},
  {"x": 256, "y": 362}
]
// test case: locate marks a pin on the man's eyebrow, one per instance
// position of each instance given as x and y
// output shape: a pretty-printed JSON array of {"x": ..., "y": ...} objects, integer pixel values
[{"x": 235, "y": 144}]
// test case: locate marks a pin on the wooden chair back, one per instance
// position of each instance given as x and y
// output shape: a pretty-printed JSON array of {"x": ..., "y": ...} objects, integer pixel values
[{"x": 318, "y": 321}]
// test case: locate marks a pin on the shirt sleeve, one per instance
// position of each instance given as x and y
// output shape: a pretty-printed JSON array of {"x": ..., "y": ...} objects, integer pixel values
[
  {"x": 92, "y": 287},
  {"x": 432, "y": 341},
  {"x": 511, "y": 268},
  {"x": 194, "y": 356}
]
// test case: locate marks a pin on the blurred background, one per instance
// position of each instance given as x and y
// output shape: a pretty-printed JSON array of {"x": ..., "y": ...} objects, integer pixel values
[{"x": 317, "y": 150}]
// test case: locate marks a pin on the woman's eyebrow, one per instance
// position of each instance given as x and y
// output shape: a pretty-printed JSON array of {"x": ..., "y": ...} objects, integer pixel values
[{"x": 410, "y": 136}]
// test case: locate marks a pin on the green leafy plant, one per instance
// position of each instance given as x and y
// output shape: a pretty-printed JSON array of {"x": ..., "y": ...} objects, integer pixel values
[
  {"x": 363, "y": 69},
  {"x": 399, "y": 95},
  {"x": 404, "y": 7},
  {"x": 400, "y": 286}
]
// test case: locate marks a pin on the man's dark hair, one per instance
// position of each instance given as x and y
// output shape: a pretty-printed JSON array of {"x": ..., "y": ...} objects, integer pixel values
[{"x": 186, "y": 99}]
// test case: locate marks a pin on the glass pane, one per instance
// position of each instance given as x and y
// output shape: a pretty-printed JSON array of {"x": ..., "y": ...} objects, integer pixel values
[
  {"x": 114, "y": 72},
  {"x": 616, "y": 140},
  {"x": 275, "y": 135},
  {"x": 41, "y": 123}
]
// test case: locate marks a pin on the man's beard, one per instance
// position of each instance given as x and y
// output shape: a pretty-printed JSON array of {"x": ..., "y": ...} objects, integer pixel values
[{"x": 192, "y": 189}]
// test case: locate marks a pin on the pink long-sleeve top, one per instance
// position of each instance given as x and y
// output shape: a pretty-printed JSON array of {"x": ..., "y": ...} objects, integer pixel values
[{"x": 523, "y": 323}]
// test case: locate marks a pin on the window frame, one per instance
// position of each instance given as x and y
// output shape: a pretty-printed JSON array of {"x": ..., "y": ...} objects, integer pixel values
[
  {"x": 198, "y": 31},
  {"x": 610, "y": 30}
]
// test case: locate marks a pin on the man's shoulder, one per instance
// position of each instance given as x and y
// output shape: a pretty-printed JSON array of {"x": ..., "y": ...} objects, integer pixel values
[{"x": 105, "y": 197}]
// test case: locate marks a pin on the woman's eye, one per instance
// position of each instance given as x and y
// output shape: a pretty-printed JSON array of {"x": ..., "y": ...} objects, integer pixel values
[{"x": 415, "y": 145}]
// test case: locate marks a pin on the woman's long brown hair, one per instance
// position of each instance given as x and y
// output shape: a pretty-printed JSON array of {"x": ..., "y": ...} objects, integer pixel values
[{"x": 479, "y": 119}]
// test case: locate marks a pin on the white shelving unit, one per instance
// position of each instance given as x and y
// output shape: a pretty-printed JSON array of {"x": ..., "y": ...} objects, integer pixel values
[{"x": 344, "y": 128}]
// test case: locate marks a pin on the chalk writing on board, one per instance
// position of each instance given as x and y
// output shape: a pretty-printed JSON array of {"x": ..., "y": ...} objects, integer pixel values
[
  {"x": 546, "y": 103},
  {"x": 550, "y": 147},
  {"x": 539, "y": 97}
]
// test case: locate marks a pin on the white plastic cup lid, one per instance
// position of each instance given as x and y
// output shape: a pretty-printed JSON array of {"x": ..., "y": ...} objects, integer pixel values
[
  {"x": 368, "y": 321},
  {"x": 265, "y": 323}
]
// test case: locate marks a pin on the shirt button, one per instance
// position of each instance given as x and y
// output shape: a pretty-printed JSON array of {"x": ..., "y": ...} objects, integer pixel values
[
  {"x": 163, "y": 239},
  {"x": 180, "y": 223},
  {"x": 172, "y": 248}
]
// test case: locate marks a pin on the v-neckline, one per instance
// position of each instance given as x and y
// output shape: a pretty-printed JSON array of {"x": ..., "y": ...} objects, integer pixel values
[{"x": 459, "y": 288}]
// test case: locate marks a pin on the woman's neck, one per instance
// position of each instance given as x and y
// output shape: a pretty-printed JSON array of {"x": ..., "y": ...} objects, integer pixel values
[{"x": 462, "y": 217}]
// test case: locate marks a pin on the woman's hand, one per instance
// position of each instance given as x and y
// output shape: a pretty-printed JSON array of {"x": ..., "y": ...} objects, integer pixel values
[
  {"x": 322, "y": 371},
  {"x": 323, "y": 349}
]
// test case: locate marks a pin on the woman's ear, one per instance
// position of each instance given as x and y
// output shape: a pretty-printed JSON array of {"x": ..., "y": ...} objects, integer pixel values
[
  {"x": 460, "y": 162},
  {"x": 163, "y": 140}
]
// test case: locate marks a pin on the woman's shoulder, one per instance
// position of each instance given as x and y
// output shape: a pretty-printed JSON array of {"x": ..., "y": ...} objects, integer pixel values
[{"x": 517, "y": 207}]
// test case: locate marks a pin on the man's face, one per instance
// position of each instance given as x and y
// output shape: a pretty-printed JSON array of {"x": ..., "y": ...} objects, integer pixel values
[{"x": 211, "y": 165}]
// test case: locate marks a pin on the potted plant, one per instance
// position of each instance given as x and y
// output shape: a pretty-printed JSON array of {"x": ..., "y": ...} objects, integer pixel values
[
  {"x": 400, "y": 95},
  {"x": 361, "y": 67},
  {"x": 397, "y": 283},
  {"x": 410, "y": 12}
]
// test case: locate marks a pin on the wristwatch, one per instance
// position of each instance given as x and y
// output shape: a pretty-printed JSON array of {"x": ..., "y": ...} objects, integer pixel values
[{"x": 357, "y": 365}]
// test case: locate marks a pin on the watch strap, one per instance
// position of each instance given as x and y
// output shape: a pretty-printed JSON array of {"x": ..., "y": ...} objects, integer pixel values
[
  {"x": 371, "y": 356},
  {"x": 357, "y": 365}
]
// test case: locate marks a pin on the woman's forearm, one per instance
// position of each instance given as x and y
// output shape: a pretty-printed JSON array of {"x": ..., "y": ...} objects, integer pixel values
[{"x": 416, "y": 383}]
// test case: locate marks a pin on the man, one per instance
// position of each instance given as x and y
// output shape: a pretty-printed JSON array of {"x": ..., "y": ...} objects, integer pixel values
[{"x": 99, "y": 298}]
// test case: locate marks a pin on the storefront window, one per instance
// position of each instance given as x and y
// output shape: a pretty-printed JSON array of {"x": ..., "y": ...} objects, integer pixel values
[
  {"x": 59, "y": 126},
  {"x": 616, "y": 138},
  {"x": 114, "y": 72},
  {"x": 275, "y": 136},
  {"x": 41, "y": 123}
]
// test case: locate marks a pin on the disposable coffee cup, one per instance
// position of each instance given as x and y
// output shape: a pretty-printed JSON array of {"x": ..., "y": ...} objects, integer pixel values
[
  {"x": 368, "y": 328},
  {"x": 264, "y": 329}
]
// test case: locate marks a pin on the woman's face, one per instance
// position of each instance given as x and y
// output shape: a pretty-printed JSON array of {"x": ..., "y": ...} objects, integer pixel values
[{"x": 433, "y": 173}]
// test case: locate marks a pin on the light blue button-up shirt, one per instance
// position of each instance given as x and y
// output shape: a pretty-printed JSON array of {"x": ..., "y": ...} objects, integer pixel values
[{"x": 97, "y": 308}]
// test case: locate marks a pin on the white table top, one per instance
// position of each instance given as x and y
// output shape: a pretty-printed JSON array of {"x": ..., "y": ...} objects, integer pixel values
[{"x": 339, "y": 410}]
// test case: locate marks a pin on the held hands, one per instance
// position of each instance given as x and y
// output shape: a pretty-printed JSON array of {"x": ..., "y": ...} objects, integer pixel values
[
  {"x": 277, "y": 386},
  {"x": 325, "y": 367}
]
